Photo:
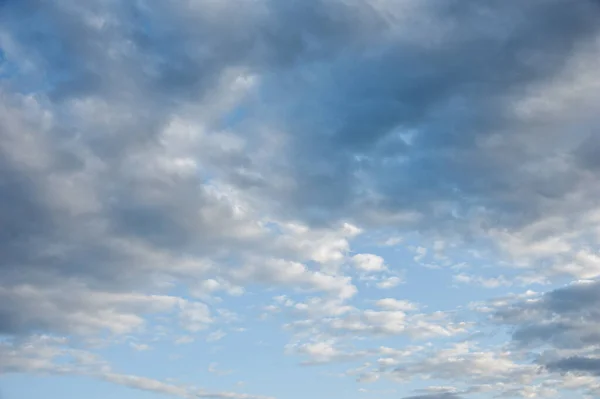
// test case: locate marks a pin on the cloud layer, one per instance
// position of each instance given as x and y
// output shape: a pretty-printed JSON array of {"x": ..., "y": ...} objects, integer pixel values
[{"x": 160, "y": 161}]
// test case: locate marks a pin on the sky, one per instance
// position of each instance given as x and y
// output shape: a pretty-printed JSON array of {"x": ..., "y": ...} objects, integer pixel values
[{"x": 290, "y": 199}]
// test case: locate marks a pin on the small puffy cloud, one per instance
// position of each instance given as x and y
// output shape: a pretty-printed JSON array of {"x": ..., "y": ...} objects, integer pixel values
[
  {"x": 215, "y": 336},
  {"x": 322, "y": 352},
  {"x": 389, "y": 282},
  {"x": 392, "y": 241},
  {"x": 210, "y": 286},
  {"x": 186, "y": 339},
  {"x": 295, "y": 275},
  {"x": 328, "y": 247},
  {"x": 486, "y": 282},
  {"x": 213, "y": 368},
  {"x": 368, "y": 263},
  {"x": 368, "y": 378},
  {"x": 396, "y": 304},
  {"x": 139, "y": 347},
  {"x": 195, "y": 316},
  {"x": 421, "y": 252},
  {"x": 319, "y": 350}
]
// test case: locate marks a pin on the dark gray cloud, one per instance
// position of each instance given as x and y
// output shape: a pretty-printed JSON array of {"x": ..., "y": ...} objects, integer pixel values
[
  {"x": 561, "y": 327},
  {"x": 567, "y": 317},
  {"x": 576, "y": 364},
  {"x": 453, "y": 88}
]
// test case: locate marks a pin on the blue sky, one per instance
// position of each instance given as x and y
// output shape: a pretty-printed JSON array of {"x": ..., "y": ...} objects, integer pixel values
[{"x": 281, "y": 199}]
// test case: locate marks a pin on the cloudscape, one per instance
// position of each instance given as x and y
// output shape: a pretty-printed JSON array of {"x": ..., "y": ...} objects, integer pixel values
[{"x": 291, "y": 199}]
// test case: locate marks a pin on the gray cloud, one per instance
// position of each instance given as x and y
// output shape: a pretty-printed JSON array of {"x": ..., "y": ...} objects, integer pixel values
[
  {"x": 559, "y": 327},
  {"x": 88, "y": 184},
  {"x": 567, "y": 317},
  {"x": 465, "y": 71},
  {"x": 576, "y": 364},
  {"x": 453, "y": 95}
]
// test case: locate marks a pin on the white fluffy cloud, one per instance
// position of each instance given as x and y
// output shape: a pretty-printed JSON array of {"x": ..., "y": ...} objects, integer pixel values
[
  {"x": 368, "y": 262},
  {"x": 396, "y": 304}
]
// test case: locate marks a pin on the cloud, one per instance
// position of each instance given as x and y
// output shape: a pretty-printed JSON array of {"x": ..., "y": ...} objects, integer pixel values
[
  {"x": 294, "y": 274},
  {"x": 566, "y": 318},
  {"x": 214, "y": 147},
  {"x": 140, "y": 347},
  {"x": 465, "y": 363},
  {"x": 576, "y": 364},
  {"x": 368, "y": 262},
  {"x": 415, "y": 95},
  {"x": 323, "y": 352},
  {"x": 558, "y": 329},
  {"x": 147, "y": 384},
  {"x": 397, "y": 322},
  {"x": 396, "y": 304},
  {"x": 213, "y": 368},
  {"x": 473, "y": 369},
  {"x": 151, "y": 385},
  {"x": 561, "y": 326},
  {"x": 184, "y": 340},
  {"x": 215, "y": 336},
  {"x": 82, "y": 312},
  {"x": 195, "y": 316},
  {"x": 392, "y": 241},
  {"x": 389, "y": 282},
  {"x": 325, "y": 332},
  {"x": 138, "y": 170},
  {"x": 52, "y": 356},
  {"x": 492, "y": 282},
  {"x": 446, "y": 395}
]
